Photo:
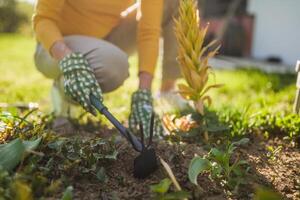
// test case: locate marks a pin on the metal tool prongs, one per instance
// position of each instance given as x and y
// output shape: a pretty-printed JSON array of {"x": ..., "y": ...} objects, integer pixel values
[{"x": 146, "y": 163}]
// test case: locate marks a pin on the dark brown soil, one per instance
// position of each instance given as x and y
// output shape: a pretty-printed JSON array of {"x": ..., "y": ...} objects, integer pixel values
[{"x": 281, "y": 175}]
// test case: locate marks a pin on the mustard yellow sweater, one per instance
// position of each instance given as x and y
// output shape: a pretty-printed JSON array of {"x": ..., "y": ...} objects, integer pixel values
[{"x": 54, "y": 19}]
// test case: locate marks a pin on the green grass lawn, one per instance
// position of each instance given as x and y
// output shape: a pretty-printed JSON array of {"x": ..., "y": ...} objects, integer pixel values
[
  {"x": 243, "y": 89},
  {"x": 20, "y": 81},
  {"x": 254, "y": 90}
]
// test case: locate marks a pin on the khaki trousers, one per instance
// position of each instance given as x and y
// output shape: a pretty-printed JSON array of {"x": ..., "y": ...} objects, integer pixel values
[{"x": 109, "y": 56}]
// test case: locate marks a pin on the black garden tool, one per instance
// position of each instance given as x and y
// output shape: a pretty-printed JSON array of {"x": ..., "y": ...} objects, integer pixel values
[{"x": 146, "y": 162}]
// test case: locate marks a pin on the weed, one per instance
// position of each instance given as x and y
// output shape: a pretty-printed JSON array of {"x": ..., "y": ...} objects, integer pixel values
[{"x": 273, "y": 152}]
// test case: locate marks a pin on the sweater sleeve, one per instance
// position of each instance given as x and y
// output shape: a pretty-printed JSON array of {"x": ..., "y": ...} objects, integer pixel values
[
  {"x": 149, "y": 34},
  {"x": 45, "y": 18}
]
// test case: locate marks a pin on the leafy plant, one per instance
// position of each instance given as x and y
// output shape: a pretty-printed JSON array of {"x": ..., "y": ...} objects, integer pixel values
[
  {"x": 161, "y": 191},
  {"x": 77, "y": 156},
  {"x": 265, "y": 123},
  {"x": 193, "y": 56},
  {"x": 218, "y": 164},
  {"x": 59, "y": 160}
]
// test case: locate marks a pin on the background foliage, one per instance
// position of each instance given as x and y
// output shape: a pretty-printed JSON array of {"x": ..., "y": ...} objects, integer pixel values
[{"x": 14, "y": 15}]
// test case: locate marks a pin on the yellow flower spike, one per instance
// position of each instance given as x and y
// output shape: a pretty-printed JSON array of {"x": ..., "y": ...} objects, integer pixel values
[{"x": 193, "y": 56}]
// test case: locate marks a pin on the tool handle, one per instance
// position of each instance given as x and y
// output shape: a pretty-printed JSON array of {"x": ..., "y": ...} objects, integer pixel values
[{"x": 137, "y": 145}]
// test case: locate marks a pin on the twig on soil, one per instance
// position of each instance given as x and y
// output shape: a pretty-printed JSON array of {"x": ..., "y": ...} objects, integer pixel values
[
  {"x": 171, "y": 174},
  {"x": 41, "y": 154}
]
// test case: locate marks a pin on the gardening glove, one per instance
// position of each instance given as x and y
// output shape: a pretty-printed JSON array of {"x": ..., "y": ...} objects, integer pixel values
[
  {"x": 141, "y": 112},
  {"x": 79, "y": 80}
]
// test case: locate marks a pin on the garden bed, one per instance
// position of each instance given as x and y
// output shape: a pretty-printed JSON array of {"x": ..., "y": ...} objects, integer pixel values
[
  {"x": 281, "y": 175},
  {"x": 111, "y": 177}
]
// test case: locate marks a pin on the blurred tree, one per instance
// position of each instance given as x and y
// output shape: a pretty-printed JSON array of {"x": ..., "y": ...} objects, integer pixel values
[{"x": 10, "y": 17}]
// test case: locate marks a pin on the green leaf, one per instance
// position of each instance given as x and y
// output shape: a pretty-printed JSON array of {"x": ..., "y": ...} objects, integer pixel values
[
  {"x": 217, "y": 154},
  {"x": 216, "y": 128},
  {"x": 32, "y": 145},
  {"x": 233, "y": 145},
  {"x": 68, "y": 194},
  {"x": 241, "y": 142},
  {"x": 11, "y": 154},
  {"x": 197, "y": 166},
  {"x": 161, "y": 187},
  {"x": 237, "y": 170},
  {"x": 56, "y": 145},
  {"x": 177, "y": 195}
]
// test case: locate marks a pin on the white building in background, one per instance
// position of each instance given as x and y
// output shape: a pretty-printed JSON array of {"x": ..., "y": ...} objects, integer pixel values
[{"x": 276, "y": 29}]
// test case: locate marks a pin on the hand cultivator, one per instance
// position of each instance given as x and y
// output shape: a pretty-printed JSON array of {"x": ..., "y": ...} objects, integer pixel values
[{"x": 146, "y": 162}]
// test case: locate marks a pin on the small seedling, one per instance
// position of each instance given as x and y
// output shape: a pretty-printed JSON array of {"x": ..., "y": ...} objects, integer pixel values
[
  {"x": 273, "y": 152},
  {"x": 218, "y": 164}
]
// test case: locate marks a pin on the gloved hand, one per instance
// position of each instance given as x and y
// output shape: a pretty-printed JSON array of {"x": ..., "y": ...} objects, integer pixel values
[
  {"x": 79, "y": 80},
  {"x": 141, "y": 112}
]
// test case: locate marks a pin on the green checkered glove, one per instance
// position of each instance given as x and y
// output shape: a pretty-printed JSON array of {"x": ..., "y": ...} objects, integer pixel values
[
  {"x": 79, "y": 80},
  {"x": 141, "y": 111}
]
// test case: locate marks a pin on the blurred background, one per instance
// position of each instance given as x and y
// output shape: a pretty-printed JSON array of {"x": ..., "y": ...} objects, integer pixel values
[
  {"x": 260, "y": 47},
  {"x": 264, "y": 30}
]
